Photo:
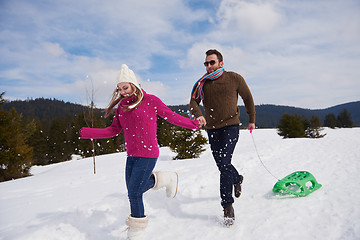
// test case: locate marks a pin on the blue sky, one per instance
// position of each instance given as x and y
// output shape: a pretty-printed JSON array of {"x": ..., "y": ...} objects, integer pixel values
[{"x": 301, "y": 53}]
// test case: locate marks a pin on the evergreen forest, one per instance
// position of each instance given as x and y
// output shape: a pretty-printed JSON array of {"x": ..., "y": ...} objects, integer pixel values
[{"x": 45, "y": 131}]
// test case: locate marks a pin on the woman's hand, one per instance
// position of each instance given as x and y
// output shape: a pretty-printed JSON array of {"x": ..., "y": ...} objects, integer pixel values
[{"x": 202, "y": 121}]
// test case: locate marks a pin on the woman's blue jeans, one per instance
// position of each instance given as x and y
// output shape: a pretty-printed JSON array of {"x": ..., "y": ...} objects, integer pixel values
[
  {"x": 138, "y": 178},
  {"x": 222, "y": 142}
]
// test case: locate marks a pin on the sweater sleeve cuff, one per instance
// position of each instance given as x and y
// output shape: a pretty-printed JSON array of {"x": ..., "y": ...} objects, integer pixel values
[{"x": 252, "y": 119}]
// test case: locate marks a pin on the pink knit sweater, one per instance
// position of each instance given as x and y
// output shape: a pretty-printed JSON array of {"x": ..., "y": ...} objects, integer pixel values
[{"x": 139, "y": 125}]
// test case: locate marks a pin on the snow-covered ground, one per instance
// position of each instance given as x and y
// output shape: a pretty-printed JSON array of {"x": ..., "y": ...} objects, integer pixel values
[{"x": 67, "y": 201}]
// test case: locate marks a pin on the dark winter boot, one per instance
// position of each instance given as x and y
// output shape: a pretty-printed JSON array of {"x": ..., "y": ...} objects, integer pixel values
[
  {"x": 237, "y": 187},
  {"x": 229, "y": 216}
]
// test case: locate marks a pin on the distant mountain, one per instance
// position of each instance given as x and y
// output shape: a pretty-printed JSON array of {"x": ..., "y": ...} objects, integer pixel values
[{"x": 267, "y": 115}]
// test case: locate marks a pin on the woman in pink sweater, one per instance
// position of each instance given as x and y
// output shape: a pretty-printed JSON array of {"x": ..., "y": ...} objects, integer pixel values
[{"x": 137, "y": 115}]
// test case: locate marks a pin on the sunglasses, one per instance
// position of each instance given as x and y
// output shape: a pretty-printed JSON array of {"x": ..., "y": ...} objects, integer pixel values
[{"x": 212, "y": 62}]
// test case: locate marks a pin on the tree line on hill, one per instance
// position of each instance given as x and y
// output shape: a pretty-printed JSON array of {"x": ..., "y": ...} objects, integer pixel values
[
  {"x": 45, "y": 131},
  {"x": 267, "y": 115}
]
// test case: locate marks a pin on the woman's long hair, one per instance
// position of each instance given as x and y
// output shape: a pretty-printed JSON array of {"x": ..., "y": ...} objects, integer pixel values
[{"x": 117, "y": 98}]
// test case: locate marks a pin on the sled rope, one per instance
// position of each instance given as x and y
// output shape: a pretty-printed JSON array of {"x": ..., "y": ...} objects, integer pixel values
[
  {"x": 257, "y": 152},
  {"x": 304, "y": 181}
]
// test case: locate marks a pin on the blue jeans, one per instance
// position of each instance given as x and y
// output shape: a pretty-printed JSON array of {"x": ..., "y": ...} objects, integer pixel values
[
  {"x": 138, "y": 178},
  {"x": 222, "y": 142}
]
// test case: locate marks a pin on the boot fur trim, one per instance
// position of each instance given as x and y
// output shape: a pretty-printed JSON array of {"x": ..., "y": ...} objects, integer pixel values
[
  {"x": 137, "y": 223},
  {"x": 158, "y": 184}
]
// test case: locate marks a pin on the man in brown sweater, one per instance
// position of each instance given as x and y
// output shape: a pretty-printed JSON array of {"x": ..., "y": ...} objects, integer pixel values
[{"x": 219, "y": 90}]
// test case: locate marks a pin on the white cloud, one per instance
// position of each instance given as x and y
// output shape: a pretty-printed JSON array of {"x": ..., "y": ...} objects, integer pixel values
[
  {"x": 53, "y": 48},
  {"x": 248, "y": 17},
  {"x": 286, "y": 50},
  {"x": 156, "y": 88}
]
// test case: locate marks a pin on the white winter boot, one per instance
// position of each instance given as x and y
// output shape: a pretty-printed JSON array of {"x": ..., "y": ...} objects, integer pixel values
[
  {"x": 137, "y": 227},
  {"x": 169, "y": 180}
]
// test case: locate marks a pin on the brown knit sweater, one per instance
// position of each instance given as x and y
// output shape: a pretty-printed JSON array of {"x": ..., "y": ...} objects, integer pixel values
[{"x": 220, "y": 101}]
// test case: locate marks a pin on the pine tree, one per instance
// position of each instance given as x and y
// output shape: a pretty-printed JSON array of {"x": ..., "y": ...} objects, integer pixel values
[
  {"x": 187, "y": 143},
  {"x": 57, "y": 139},
  {"x": 313, "y": 131},
  {"x": 81, "y": 147},
  {"x": 163, "y": 132},
  {"x": 39, "y": 142},
  {"x": 344, "y": 119},
  {"x": 330, "y": 121},
  {"x": 15, "y": 153},
  {"x": 292, "y": 126}
]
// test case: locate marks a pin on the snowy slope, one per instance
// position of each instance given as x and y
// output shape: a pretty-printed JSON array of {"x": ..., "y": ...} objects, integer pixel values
[{"x": 67, "y": 201}]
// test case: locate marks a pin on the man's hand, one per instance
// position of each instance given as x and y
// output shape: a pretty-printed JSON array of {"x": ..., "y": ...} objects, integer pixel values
[
  {"x": 251, "y": 126},
  {"x": 202, "y": 121}
]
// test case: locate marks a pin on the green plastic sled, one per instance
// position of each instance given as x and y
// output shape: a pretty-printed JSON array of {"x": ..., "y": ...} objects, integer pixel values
[{"x": 299, "y": 183}]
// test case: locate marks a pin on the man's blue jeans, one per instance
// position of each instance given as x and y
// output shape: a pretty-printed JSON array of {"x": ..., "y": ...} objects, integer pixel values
[
  {"x": 222, "y": 142},
  {"x": 138, "y": 178}
]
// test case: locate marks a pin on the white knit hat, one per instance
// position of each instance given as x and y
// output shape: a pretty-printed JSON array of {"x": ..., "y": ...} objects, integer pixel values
[{"x": 128, "y": 76}]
